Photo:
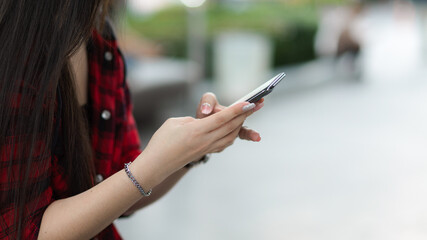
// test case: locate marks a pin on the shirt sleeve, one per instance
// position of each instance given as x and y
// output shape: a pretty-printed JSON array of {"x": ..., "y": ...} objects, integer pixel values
[{"x": 38, "y": 186}]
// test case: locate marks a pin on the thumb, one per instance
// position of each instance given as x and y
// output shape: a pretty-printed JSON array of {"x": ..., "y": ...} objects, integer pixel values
[{"x": 207, "y": 105}]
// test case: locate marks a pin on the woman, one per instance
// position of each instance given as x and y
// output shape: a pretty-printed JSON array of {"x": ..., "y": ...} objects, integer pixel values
[{"x": 66, "y": 128}]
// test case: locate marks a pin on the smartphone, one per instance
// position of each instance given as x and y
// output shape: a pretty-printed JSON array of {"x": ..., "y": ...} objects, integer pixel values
[{"x": 262, "y": 90}]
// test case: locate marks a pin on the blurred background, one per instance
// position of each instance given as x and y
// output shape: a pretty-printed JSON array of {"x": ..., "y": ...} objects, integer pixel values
[{"x": 344, "y": 138}]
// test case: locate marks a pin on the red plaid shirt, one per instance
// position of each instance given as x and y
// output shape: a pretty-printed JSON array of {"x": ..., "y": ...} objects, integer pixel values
[{"x": 115, "y": 139}]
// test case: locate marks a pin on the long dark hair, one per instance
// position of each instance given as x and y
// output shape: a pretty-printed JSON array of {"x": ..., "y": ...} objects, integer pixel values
[{"x": 37, "y": 39}]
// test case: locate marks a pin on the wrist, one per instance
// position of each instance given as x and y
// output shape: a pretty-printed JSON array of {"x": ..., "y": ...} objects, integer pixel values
[
  {"x": 135, "y": 182},
  {"x": 147, "y": 172}
]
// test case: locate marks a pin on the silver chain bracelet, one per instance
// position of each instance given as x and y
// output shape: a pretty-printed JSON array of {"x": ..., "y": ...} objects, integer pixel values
[{"x": 132, "y": 178}]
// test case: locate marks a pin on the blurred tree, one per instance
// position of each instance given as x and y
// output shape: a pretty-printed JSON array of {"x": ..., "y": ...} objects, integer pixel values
[{"x": 290, "y": 24}]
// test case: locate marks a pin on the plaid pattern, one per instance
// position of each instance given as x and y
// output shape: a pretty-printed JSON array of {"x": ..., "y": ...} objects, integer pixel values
[{"x": 114, "y": 135}]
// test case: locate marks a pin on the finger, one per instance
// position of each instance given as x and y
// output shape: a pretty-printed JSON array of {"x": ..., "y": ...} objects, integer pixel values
[
  {"x": 261, "y": 100},
  {"x": 218, "y": 108},
  {"x": 249, "y": 134},
  {"x": 226, "y": 141},
  {"x": 258, "y": 106},
  {"x": 229, "y": 127},
  {"x": 219, "y": 119},
  {"x": 207, "y": 103}
]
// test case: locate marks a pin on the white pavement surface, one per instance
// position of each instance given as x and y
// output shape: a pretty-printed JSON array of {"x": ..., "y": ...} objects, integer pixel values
[{"x": 344, "y": 160}]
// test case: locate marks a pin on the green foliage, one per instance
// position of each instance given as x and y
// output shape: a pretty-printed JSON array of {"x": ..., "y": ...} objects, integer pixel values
[
  {"x": 294, "y": 45},
  {"x": 268, "y": 18},
  {"x": 167, "y": 27},
  {"x": 290, "y": 26}
]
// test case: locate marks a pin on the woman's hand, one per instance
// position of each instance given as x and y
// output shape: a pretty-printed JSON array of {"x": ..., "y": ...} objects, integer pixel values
[
  {"x": 209, "y": 105},
  {"x": 177, "y": 142},
  {"x": 182, "y": 140}
]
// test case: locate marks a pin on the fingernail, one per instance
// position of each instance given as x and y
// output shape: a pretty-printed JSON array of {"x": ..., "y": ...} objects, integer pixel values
[
  {"x": 257, "y": 137},
  {"x": 206, "y": 108},
  {"x": 249, "y": 107}
]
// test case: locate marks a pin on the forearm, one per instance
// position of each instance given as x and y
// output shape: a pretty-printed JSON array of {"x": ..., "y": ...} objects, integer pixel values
[
  {"x": 158, "y": 191},
  {"x": 86, "y": 214},
  {"x": 175, "y": 144}
]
